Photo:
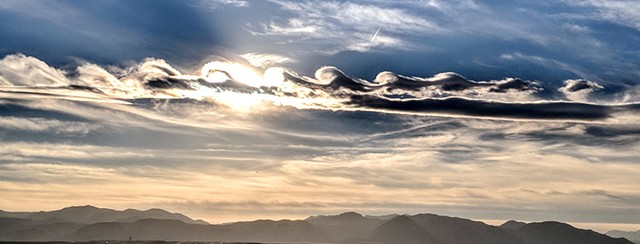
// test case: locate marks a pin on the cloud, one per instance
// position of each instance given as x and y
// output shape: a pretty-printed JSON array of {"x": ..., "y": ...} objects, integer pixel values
[
  {"x": 18, "y": 70},
  {"x": 224, "y": 82},
  {"x": 454, "y": 83},
  {"x": 623, "y": 12},
  {"x": 361, "y": 16},
  {"x": 216, "y": 4},
  {"x": 547, "y": 62},
  {"x": 341, "y": 26},
  {"x": 265, "y": 60},
  {"x": 579, "y": 86},
  {"x": 21, "y": 70},
  {"x": 462, "y": 106},
  {"x": 21, "y": 151},
  {"x": 579, "y": 90},
  {"x": 42, "y": 124}
]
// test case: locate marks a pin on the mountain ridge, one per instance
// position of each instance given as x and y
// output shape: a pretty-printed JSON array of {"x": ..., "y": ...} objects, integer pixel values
[
  {"x": 88, "y": 214},
  {"x": 78, "y": 224}
]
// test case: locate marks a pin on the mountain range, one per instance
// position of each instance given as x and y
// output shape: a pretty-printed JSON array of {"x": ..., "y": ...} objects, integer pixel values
[{"x": 88, "y": 223}]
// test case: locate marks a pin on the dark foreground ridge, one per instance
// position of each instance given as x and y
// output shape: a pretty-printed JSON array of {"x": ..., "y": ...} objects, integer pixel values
[{"x": 83, "y": 225}]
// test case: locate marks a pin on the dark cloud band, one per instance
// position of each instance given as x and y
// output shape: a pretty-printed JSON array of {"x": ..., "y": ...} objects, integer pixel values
[{"x": 463, "y": 106}]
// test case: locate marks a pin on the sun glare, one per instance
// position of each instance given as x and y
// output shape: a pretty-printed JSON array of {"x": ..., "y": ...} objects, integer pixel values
[{"x": 218, "y": 72}]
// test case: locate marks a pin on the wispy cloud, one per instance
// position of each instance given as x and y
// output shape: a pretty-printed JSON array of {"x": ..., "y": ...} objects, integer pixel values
[
  {"x": 265, "y": 60},
  {"x": 346, "y": 25},
  {"x": 216, "y": 4},
  {"x": 42, "y": 124},
  {"x": 623, "y": 12}
]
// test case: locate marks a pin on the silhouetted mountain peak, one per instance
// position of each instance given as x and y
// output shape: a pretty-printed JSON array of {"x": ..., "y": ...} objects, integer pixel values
[
  {"x": 402, "y": 220},
  {"x": 85, "y": 208},
  {"x": 80, "y": 207},
  {"x": 350, "y": 215},
  {"x": 89, "y": 214},
  {"x": 512, "y": 225},
  {"x": 343, "y": 218}
]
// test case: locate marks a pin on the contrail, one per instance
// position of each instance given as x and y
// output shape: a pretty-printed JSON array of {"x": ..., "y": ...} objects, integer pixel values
[{"x": 375, "y": 35}]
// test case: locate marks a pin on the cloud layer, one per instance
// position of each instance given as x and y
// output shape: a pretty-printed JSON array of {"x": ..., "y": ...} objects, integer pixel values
[
  {"x": 264, "y": 137},
  {"x": 220, "y": 81}
]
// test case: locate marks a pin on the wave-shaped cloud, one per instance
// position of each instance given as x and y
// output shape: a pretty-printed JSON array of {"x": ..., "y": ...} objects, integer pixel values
[{"x": 230, "y": 83}]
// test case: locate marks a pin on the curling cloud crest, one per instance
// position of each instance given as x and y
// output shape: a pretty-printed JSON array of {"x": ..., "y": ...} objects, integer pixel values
[
  {"x": 579, "y": 89},
  {"x": 232, "y": 83}
]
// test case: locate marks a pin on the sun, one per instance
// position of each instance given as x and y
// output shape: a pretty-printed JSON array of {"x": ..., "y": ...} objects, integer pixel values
[{"x": 218, "y": 72}]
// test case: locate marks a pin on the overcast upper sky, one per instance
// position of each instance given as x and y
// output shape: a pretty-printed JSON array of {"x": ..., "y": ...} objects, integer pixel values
[{"x": 235, "y": 110}]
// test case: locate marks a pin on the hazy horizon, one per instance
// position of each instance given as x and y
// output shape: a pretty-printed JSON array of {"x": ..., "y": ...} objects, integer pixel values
[{"x": 231, "y": 110}]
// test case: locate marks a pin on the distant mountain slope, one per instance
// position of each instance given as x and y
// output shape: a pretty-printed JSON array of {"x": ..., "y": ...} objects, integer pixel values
[
  {"x": 5, "y": 214},
  {"x": 174, "y": 230},
  {"x": 463, "y": 231},
  {"x": 33, "y": 230},
  {"x": 270, "y": 231},
  {"x": 348, "y": 226},
  {"x": 403, "y": 230},
  {"x": 90, "y": 214},
  {"x": 148, "y": 229},
  {"x": 561, "y": 233},
  {"x": 70, "y": 224},
  {"x": 631, "y": 235}
]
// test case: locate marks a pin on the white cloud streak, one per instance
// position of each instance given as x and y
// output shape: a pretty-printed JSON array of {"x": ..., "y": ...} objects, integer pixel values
[
  {"x": 347, "y": 25},
  {"x": 42, "y": 124},
  {"x": 623, "y": 12},
  {"x": 265, "y": 60},
  {"x": 216, "y": 4}
]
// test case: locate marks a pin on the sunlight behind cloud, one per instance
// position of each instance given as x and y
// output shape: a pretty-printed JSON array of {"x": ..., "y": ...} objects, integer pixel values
[{"x": 218, "y": 72}]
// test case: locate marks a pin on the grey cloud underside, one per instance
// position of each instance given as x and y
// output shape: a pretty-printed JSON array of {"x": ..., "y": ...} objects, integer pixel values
[{"x": 463, "y": 106}]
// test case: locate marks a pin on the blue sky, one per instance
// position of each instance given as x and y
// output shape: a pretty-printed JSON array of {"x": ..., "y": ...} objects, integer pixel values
[
  {"x": 548, "y": 41},
  {"x": 233, "y": 110}
]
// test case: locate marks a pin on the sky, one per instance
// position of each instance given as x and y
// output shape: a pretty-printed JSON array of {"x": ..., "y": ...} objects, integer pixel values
[{"x": 232, "y": 110}]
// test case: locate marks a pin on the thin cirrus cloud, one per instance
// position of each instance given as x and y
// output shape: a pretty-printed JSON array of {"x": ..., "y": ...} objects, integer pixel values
[
  {"x": 216, "y": 4},
  {"x": 623, "y": 12},
  {"x": 265, "y": 60},
  {"x": 344, "y": 26}
]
